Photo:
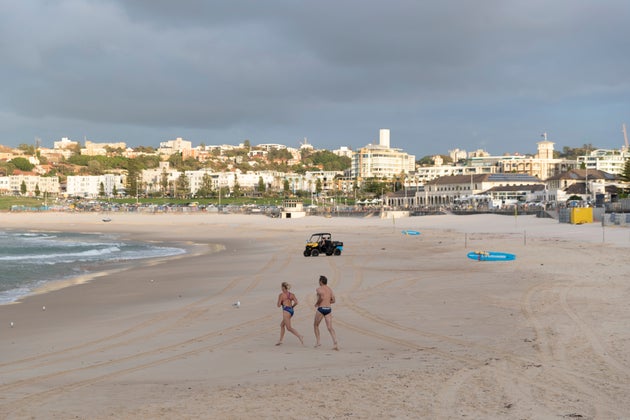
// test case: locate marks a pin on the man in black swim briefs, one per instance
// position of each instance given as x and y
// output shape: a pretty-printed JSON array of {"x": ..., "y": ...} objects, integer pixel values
[
  {"x": 325, "y": 298},
  {"x": 324, "y": 310}
]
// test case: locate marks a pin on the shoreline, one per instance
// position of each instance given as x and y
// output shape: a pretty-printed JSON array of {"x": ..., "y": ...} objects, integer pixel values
[
  {"x": 111, "y": 268},
  {"x": 106, "y": 268},
  {"x": 424, "y": 332}
]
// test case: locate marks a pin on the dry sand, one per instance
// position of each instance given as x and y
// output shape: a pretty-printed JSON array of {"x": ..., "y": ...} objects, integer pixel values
[{"x": 424, "y": 331}]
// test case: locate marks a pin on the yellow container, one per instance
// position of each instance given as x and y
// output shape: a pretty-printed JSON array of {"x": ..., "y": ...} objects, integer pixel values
[{"x": 581, "y": 215}]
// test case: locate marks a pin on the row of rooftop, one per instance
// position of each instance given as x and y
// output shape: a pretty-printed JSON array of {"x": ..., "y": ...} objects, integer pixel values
[
  {"x": 378, "y": 161},
  {"x": 373, "y": 160}
]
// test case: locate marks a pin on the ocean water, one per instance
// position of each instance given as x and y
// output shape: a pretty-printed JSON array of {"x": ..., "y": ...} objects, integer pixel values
[{"x": 29, "y": 260}]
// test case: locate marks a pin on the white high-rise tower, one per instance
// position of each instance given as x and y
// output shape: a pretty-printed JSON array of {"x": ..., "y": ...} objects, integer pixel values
[{"x": 383, "y": 137}]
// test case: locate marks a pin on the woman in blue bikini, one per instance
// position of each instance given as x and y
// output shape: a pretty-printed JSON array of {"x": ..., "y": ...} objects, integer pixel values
[{"x": 287, "y": 301}]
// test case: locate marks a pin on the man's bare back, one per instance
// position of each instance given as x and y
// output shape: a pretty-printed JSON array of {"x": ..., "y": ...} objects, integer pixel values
[{"x": 325, "y": 296}]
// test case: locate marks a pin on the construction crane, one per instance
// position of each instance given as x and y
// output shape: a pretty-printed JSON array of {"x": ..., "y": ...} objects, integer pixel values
[{"x": 625, "y": 135}]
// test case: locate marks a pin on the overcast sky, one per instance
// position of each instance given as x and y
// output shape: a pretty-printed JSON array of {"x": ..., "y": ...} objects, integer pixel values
[{"x": 489, "y": 74}]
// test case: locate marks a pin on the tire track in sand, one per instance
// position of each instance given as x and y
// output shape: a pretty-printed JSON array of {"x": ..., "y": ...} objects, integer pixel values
[
  {"x": 175, "y": 318},
  {"x": 190, "y": 312},
  {"x": 552, "y": 361},
  {"x": 36, "y": 398}
]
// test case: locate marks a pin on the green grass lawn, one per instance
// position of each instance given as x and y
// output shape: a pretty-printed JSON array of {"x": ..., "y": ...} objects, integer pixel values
[{"x": 7, "y": 201}]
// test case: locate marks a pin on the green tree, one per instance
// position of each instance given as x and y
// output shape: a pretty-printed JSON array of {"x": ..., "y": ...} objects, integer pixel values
[
  {"x": 114, "y": 150},
  {"x": 261, "y": 185},
  {"x": 175, "y": 160},
  {"x": 298, "y": 169},
  {"x": 223, "y": 192},
  {"x": 574, "y": 152},
  {"x": 236, "y": 190},
  {"x": 146, "y": 161},
  {"x": 236, "y": 152},
  {"x": 101, "y": 190},
  {"x": 425, "y": 161},
  {"x": 244, "y": 167},
  {"x": 376, "y": 186},
  {"x": 23, "y": 187},
  {"x": 95, "y": 167},
  {"x": 306, "y": 154},
  {"x": 164, "y": 182},
  {"x": 206, "y": 186},
  {"x": 327, "y": 160},
  {"x": 27, "y": 149},
  {"x": 286, "y": 187},
  {"x": 133, "y": 178},
  {"x": 37, "y": 191},
  {"x": 22, "y": 164},
  {"x": 144, "y": 149},
  {"x": 183, "y": 186},
  {"x": 446, "y": 159},
  {"x": 190, "y": 164},
  {"x": 279, "y": 155}
]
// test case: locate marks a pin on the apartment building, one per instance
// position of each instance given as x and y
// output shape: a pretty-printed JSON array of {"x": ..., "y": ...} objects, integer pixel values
[
  {"x": 179, "y": 145},
  {"x": 607, "y": 160},
  {"x": 247, "y": 181},
  {"x": 100, "y": 149},
  {"x": 12, "y": 184},
  {"x": 89, "y": 186},
  {"x": 380, "y": 160}
]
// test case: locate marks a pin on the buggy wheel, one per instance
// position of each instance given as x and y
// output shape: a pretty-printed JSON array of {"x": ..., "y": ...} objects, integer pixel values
[
  {"x": 337, "y": 251},
  {"x": 314, "y": 253},
  {"x": 307, "y": 252}
]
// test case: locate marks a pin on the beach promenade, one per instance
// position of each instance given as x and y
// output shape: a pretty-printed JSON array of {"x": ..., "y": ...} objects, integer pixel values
[{"x": 424, "y": 332}]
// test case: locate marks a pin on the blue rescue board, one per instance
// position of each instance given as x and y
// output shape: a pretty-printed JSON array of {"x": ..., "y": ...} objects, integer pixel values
[
  {"x": 491, "y": 256},
  {"x": 410, "y": 232}
]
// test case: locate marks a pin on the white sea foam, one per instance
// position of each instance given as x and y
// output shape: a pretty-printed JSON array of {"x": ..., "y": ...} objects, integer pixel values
[{"x": 30, "y": 260}]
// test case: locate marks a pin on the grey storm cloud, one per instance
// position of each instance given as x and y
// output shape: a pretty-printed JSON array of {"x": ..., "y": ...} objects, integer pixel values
[{"x": 335, "y": 71}]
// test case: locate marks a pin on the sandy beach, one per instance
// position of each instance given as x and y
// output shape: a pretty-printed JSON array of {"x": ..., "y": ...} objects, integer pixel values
[{"x": 424, "y": 332}]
